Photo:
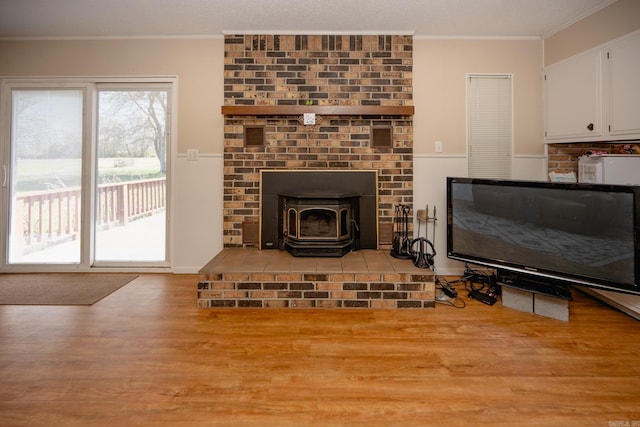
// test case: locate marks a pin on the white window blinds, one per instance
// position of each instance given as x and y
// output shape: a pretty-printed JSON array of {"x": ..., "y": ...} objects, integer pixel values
[{"x": 490, "y": 126}]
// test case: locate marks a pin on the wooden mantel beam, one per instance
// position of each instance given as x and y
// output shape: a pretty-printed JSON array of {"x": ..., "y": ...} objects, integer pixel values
[{"x": 326, "y": 110}]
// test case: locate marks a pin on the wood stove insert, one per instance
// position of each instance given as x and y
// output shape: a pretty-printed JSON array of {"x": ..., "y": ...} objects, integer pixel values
[
  {"x": 320, "y": 225},
  {"x": 318, "y": 213}
]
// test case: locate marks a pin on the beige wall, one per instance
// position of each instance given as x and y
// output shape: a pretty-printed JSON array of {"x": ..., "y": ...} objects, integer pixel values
[
  {"x": 439, "y": 81},
  {"x": 196, "y": 62},
  {"x": 440, "y": 68},
  {"x": 615, "y": 20}
]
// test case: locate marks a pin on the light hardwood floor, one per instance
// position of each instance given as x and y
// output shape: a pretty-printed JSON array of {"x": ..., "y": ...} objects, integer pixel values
[{"x": 146, "y": 355}]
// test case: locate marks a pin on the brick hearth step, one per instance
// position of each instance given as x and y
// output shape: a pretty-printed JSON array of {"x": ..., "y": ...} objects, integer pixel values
[{"x": 248, "y": 277}]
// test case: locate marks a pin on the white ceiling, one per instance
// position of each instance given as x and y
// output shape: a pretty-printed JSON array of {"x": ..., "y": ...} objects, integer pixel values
[{"x": 428, "y": 18}]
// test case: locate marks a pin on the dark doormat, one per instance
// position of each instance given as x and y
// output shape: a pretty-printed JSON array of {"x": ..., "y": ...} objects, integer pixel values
[{"x": 59, "y": 288}]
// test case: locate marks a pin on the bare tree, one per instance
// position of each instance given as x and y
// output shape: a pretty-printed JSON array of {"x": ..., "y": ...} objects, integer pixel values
[
  {"x": 134, "y": 123},
  {"x": 152, "y": 103}
]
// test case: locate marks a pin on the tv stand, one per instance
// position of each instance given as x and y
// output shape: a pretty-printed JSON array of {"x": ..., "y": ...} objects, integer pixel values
[
  {"x": 540, "y": 296},
  {"x": 547, "y": 287}
]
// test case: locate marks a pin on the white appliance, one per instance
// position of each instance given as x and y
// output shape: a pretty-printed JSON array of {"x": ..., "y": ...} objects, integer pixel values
[{"x": 623, "y": 169}]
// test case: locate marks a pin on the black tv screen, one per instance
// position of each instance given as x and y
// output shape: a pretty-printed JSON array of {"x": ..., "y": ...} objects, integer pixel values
[{"x": 580, "y": 234}]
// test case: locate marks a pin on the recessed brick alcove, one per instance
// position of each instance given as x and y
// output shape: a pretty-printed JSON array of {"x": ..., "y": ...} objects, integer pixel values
[
  {"x": 315, "y": 70},
  {"x": 563, "y": 157}
]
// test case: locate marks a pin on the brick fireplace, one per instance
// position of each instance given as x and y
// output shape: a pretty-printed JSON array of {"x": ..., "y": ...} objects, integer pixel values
[
  {"x": 358, "y": 90},
  {"x": 315, "y": 71}
]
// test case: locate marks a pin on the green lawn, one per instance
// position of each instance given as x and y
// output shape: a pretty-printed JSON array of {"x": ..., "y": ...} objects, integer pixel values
[{"x": 36, "y": 175}]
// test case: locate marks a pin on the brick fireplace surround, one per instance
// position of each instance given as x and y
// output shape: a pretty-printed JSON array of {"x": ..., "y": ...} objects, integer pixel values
[
  {"x": 318, "y": 70},
  {"x": 324, "y": 70}
]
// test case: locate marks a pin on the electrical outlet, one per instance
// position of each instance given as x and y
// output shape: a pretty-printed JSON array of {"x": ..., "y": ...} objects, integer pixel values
[
  {"x": 438, "y": 146},
  {"x": 192, "y": 154},
  {"x": 309, "y": 118}
]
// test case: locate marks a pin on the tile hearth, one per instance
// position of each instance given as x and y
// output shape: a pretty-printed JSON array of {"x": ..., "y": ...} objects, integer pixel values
[{"x": 249, "y": 277}]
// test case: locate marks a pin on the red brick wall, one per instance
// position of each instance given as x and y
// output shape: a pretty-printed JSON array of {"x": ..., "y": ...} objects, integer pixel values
[{"x": 325, "y": 70}]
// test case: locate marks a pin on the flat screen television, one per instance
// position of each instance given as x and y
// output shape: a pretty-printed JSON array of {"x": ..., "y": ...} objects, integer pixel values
[{"x": 544, "y": 234}]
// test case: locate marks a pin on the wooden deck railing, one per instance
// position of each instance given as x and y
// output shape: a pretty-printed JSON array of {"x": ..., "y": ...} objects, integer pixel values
[{"x": 56, "y": 214}]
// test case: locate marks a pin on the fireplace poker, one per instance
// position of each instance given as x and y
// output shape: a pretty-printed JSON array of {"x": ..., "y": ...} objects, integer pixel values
[
  {"x": 396, "y": 236},
  {"x": 406, "y": 243},
  {"x": 401, "y": 242}
]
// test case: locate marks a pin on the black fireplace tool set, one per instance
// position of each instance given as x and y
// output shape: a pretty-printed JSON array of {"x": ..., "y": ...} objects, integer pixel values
[{"x": 420, "y": 250}]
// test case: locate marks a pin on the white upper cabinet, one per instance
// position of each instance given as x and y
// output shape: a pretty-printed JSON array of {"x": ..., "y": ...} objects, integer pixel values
[
  {"x": 624, "y": 86},
  {"x": 573, "y": 97},
  {"x": 595, "y": 96}
]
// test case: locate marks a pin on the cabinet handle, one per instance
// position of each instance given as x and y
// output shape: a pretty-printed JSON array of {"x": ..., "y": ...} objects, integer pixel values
[{"x": 590, "y": 126}]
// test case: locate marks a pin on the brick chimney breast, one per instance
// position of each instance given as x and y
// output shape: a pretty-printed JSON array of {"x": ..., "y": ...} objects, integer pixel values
[{"x": 322, "y": 70}]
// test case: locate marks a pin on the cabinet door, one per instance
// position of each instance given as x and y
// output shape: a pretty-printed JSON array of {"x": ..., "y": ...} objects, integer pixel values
[
  {"x": 573, "y": 98},
  {"x": 624, "y": 90}
]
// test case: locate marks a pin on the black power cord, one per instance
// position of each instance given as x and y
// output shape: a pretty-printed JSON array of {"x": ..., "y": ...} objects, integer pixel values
[
  {"x": 448, "y": 294},
  {"x": 481, "y": 286}
]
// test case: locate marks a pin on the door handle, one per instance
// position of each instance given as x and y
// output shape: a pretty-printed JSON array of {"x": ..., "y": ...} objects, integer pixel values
[
  {"x": 4, "y": 176},
  {"x": 590, "y": 126}
]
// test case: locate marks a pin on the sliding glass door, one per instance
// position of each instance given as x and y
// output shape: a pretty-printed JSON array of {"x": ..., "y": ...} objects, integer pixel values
[
  {"x": 45, "y": 184},
  {"x": 85, "y": 174},
  {"x": 131, "y": 193}
]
